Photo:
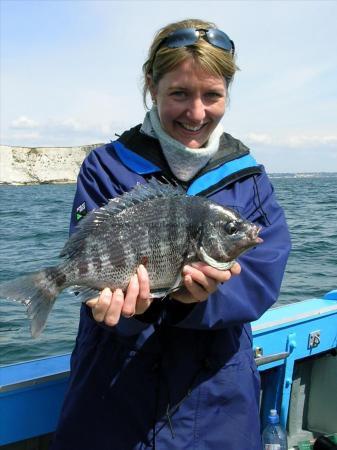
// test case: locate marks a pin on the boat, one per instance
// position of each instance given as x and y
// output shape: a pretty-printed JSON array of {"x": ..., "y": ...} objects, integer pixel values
[{"x": 295, "y": 347}]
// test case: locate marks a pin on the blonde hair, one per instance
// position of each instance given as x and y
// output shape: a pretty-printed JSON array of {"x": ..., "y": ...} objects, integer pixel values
[{"x": 162, "y": 60}]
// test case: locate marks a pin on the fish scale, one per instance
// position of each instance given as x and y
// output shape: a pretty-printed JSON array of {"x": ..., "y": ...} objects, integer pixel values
[{"x": 155, "y": 224}]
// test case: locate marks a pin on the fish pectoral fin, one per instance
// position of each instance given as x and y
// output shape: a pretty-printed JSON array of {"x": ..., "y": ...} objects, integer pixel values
[
  {"x": 177, "y": 284},
  {"x": 84, "y": 293},
  {"x": 159, "y": 294},
  {"x": 164, "y": 293},
  {"x": 213, "y": 262}
]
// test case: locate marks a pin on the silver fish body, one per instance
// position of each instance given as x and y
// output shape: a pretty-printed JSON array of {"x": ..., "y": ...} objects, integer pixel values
[{"x": 156, "y": 225}]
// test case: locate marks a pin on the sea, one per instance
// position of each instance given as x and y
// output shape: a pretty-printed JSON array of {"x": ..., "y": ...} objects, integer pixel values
[{"x": 34, "y": 224}]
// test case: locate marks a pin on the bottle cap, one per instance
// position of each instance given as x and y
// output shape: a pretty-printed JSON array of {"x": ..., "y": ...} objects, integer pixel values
[{"x": 273, "y": 417}]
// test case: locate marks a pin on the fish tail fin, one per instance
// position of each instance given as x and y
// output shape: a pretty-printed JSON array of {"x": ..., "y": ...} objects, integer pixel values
[{"x": 38, "y": 292}]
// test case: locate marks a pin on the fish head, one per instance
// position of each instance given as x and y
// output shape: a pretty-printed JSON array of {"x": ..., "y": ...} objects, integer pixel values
[{"x": 225, "y": 237}]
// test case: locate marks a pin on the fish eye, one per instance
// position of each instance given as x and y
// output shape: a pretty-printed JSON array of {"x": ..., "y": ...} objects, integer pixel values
[{"x": 231, "y": 227}]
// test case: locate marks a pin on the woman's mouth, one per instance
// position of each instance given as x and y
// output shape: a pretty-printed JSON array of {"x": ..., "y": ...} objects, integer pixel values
[{"x": 191, "y": 128}]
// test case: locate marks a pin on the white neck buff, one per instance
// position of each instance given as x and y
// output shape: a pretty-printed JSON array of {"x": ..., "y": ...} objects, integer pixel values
[{"x": 184, "y": 162}]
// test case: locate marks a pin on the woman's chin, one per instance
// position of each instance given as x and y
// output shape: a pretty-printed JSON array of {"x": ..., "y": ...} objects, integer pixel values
[{"x": 191, "y": 141}]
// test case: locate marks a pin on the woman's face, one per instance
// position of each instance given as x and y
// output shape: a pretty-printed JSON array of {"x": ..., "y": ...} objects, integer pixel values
[{"x": 190, "y": 103}]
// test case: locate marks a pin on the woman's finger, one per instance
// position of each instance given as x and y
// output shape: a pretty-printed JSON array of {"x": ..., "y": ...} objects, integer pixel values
[
  {"x": 207, "y": 283},
  {"x": 113, "y": 313},
  {"x": 220, "y": 276},
  {"x": 197, "y": 292},
  {"x": 100, "y": 306},
  {"x": 200, "y": 280},
  {"x": 129, "y": 306},
  {"x": 144, "y": 283},
  {"x": 236, "y": 269},
  {"x": 143, "y": 301},
  {"x": 92, "y": 302}
]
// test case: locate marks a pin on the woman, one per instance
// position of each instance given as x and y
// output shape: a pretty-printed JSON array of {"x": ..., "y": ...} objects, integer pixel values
[{"x": 177, "y": 373}]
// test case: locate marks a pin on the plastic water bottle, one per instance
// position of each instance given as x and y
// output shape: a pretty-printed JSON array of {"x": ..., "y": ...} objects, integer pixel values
[{"x": 274, "y": 437}]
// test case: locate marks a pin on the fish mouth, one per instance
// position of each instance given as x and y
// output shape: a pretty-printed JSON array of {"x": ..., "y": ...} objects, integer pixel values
[{"x": 255, "y": 235}]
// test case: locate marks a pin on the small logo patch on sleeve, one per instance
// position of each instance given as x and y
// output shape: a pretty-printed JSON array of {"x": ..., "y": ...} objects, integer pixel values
[{"x": 81, "y": 211}]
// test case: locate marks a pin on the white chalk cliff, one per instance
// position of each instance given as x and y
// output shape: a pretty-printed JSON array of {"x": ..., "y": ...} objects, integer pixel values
[{"x": 24, "y": 165}]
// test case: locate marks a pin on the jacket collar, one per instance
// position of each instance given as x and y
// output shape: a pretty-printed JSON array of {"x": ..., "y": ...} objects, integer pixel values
[{"x": 142, "y": 154}]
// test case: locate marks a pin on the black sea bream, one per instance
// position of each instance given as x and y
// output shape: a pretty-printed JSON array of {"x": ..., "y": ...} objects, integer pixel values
[{"x": 156, "y": 225}]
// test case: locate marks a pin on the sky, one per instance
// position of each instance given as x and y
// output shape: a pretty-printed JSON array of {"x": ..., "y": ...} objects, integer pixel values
[{"x": 71, "y": 73}]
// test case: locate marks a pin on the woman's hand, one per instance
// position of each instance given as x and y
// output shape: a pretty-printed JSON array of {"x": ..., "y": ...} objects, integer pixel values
[
  {"x": 201, "y": 280},
  {"x": 110, "y": 306}
]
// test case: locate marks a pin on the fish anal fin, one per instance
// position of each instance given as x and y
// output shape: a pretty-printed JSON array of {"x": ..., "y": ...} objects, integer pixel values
[{"x": 84, "y": 293}]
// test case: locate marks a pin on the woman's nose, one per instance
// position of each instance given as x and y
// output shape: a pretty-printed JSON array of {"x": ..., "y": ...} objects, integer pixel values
[{"x": 196, "y": 110}]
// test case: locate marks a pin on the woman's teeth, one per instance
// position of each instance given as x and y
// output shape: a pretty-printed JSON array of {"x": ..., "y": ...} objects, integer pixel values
[{"x": 190, "y": 127}]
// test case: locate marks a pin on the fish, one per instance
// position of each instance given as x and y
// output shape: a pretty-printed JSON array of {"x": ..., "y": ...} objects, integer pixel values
[{"x": 156, "y": 224}]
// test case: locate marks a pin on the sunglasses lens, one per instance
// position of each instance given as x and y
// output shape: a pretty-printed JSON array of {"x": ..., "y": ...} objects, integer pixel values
[
  {"x": 182, "y": 38},
  {"x": 189, "y": 36},
  {"x": 219, "y": 39}
]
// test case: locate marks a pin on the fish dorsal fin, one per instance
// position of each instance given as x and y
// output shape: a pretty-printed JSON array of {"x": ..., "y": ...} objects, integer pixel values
[
  {"x": 141, "y": 193},
  {"x": 99, "y": 217}
]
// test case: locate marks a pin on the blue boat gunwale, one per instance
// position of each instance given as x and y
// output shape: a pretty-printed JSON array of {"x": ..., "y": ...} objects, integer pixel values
[
  {"x": 296, "y": 313},
  {"x": 25, "y": 373},
  {"x": 51, "y": 367}
]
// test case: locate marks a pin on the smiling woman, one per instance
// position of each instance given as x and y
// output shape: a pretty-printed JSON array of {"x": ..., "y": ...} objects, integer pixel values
[
  {"x": 187, "y": 73},
  {"x": 177, "y": 372},
  {"x": 190, "y": 103}
]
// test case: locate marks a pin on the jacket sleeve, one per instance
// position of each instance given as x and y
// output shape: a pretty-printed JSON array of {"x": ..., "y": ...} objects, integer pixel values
[
  {"x": 96, "y": 184},
  {"x": 244, "y": 298}
]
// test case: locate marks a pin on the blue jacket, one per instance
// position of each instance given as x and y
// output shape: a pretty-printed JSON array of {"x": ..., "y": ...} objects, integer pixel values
[{"x": 179, "y": 376}]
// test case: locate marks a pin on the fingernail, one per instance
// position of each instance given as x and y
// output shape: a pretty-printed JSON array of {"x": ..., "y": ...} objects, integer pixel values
[
  {"x": 187, "y": 270},
  {"x": 128, "y": 316},
  {"x": 119, "y": 293},
  {"x": 141, "y": 269},
  {"x": 92, "y": 302},
  {"x": 106, "y": 292},
  {"x": 188, "y": 279},
  {"x": 197, "y": 265}
]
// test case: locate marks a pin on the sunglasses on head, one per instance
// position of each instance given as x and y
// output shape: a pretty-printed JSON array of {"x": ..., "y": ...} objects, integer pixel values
[{"x": 189, "y": 36}]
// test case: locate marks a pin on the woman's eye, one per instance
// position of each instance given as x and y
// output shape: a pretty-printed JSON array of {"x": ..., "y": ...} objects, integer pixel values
[
  {"x": 231, "y": 228},
  {"x": 178, "y": 94},
  {"x": 213, "y": 95}
]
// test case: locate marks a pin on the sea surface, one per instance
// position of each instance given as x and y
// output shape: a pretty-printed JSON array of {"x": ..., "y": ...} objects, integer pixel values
[{"x": 34, "y": 226}]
